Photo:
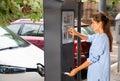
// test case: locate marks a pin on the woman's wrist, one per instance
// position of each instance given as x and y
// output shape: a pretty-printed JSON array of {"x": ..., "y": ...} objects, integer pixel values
[
  {"x": 77, "y": 33},
  {"x": 77, "y": 69}
]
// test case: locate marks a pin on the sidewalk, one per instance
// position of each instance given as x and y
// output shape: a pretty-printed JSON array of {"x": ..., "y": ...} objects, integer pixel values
[{"x": 115, "y": 76}]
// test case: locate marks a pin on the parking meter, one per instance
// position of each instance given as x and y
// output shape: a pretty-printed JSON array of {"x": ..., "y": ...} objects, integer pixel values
[
  {"x": 117, "y": 28},
  {"x": 59, "y": 15}
]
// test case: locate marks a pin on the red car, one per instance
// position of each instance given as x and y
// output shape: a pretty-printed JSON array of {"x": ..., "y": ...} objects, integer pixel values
[{"x": 34, "y": 33}]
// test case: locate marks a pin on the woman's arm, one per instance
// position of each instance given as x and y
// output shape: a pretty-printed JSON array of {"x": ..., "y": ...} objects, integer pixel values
[
  {"x": 84, "y": 65},
  {"x": 83, "y": 37},
  {"x": 75, "y": 33}
]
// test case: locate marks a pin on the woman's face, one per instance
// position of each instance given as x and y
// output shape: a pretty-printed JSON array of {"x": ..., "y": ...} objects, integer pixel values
[{"x": 95, "y": 25}]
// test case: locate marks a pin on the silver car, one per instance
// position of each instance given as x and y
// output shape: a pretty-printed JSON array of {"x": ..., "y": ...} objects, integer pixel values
[{"x": 19, "y": 60}]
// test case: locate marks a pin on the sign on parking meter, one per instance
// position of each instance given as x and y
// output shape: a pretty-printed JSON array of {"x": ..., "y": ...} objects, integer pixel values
[
  {"x": 67, "y": 22},
  {"x": 59, "y": 15}
]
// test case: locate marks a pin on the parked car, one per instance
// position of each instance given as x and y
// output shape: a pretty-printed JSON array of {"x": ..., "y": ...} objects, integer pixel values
[
  {"x": 84, "y": 45},
  {"x": 32, "y": 32},
  {"x": 18, "y": 60}
]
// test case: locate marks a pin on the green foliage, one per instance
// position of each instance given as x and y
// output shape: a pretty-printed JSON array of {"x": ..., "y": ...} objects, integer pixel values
[
  {"x": 114, "y": 0},
  {"x": 37, "y": 10},
  {"x": 89, "y": 0},
  {"x": 7, "y": 11},
  {"x": 11, "y": 10}
]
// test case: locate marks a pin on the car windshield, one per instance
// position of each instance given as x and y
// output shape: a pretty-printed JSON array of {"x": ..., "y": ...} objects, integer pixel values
[
  {"x": 15, "y": 27},
  {"x": 9, "y": 40}
]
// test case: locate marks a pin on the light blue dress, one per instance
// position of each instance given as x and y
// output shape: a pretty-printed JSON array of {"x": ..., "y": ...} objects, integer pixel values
[{"x": 99, "y": 56}]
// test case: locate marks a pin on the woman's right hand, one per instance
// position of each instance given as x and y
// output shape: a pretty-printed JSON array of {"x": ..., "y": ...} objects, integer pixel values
[
  {"x": 72, "y": 31},
  {"x": 73, "y": 72}
]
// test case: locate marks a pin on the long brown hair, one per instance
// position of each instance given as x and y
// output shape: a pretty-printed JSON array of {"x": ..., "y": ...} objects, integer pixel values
[{"x": 101, "y": 17}]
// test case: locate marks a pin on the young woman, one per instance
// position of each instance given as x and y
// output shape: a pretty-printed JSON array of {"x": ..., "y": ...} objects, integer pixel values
[{"x": 98, "y": 62}]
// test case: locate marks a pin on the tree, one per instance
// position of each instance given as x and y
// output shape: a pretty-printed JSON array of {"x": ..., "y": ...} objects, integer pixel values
[
  {"x": 114, "y": 0},
  {"x": 11, "y": 10}
]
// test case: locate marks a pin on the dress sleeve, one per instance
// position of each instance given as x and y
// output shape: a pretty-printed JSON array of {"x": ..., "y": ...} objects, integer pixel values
[
  {"x": 90, "y": 38},
  {"x": 97, "y": 50}
]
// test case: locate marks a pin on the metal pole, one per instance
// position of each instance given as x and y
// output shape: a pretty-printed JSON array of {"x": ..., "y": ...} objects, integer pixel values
[
  {"x": 118, "y": 42},
  {"x": 118, "y": 57},
  {"x": 78, "y": 40},
  {"x": 102, "y": 6},
  {"x": 117, "y": 29}
]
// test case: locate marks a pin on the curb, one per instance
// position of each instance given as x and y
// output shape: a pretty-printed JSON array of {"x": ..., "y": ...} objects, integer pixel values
[{"x": 114, "y": 65}]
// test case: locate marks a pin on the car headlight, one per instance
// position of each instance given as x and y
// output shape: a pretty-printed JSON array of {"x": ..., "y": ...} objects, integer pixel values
[{"x": 11, "y": 69}]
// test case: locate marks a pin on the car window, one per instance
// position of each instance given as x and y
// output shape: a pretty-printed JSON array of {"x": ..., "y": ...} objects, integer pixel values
[
  {"x": 83, "y": 31},
  {"x": 14, "y": 27},
  {"x": 89, "y": 30},
  {"x": 30, "y": 29},
  {"x": 9, "y": 40},
  {"x": 41, "y": 31},
  {"x": 86, "y": 30}
]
